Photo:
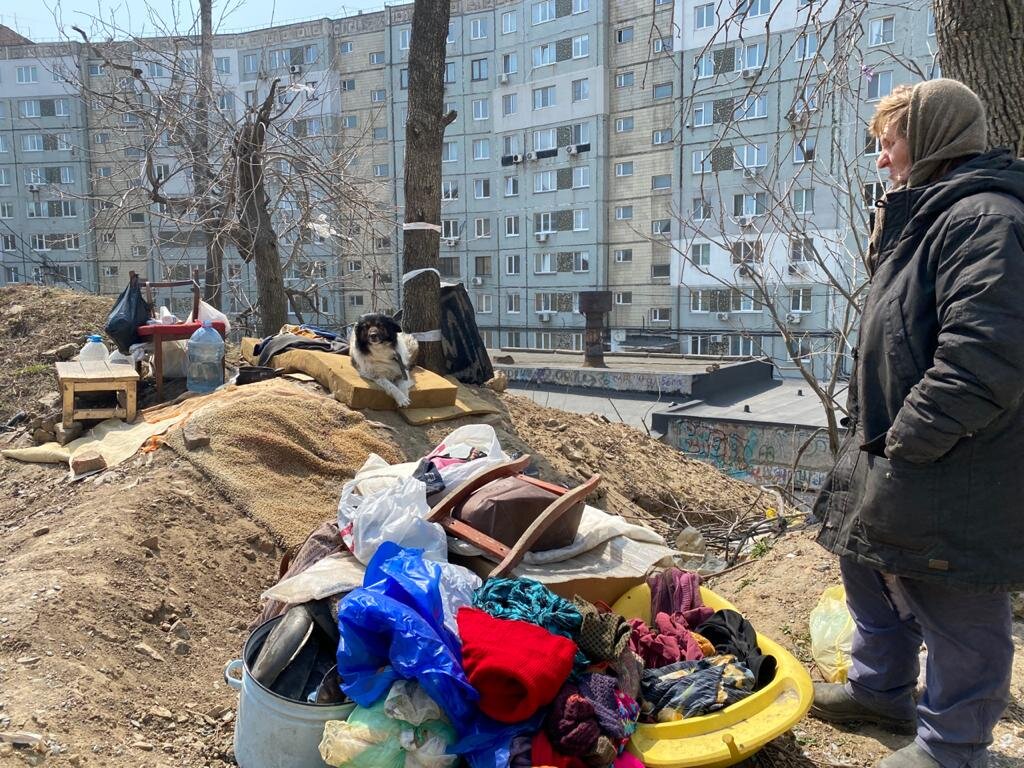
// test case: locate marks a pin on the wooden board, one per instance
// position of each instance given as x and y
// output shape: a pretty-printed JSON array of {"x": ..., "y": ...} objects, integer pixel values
[
  {"x": 337, "y": 374},
  {"x": 94, "y": 370}
]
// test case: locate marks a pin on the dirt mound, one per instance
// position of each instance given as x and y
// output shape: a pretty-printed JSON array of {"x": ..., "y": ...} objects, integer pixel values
[
  {"x": 33, "y": 320},
  {"x": 640, "y": 471}
]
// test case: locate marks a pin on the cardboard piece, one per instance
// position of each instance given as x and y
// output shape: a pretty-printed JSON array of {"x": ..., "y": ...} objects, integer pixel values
[
  {"x": 466, "y": 404},
  {"x": 337, "y": 374}
]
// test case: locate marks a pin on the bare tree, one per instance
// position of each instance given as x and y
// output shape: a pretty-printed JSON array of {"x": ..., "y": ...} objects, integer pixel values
[
  {"x": 424, "y": 136},
  {"x": 273, "y": 182},
  {"x": 981, "y": 43}
]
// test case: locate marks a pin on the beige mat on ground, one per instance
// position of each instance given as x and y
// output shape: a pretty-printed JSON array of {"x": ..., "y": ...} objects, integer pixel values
[
  {"x": 281, "y": 453},
  {"x": 467, "y": 403},
  {"x": 115, "y": 440}
]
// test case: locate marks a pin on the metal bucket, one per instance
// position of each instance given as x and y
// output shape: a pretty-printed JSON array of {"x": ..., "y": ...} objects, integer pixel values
[{"x": 270, "y": 730}]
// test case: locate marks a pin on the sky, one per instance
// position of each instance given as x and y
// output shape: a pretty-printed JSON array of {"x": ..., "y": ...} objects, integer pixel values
[{"x": 39, "y": 20}]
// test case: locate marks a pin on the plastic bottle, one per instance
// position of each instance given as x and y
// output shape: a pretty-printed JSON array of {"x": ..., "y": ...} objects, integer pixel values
[
  {"x": 205, "y": 360},
  {"x": 94, "y": 350}
]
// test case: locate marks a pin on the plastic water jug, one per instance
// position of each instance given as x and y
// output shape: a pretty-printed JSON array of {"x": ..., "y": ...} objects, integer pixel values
[
  {"x": 205, "y": 360},
  {"x": 94, "y": 350}
]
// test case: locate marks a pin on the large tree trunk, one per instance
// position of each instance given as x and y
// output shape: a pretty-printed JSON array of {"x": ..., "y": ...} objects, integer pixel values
[
  {"x": 981, "y": 44},
  {"x": 424, "y": 134},
  {"x": 202, "y": 176},
  {"x": 255, "y": 235}
]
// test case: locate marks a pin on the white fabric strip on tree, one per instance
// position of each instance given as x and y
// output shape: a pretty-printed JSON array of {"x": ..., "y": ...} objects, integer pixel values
[
  {"x": 417, "y": 272},
  {"x": 422, "y": 225},
  {"x": 434, "y": 335}
]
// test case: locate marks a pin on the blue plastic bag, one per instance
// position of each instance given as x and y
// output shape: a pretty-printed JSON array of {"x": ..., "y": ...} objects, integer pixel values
[{"x": 393, "y": 628}]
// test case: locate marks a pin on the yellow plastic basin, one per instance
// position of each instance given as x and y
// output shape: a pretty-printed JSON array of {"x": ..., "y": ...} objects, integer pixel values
[{"x": 734, "y": 733}]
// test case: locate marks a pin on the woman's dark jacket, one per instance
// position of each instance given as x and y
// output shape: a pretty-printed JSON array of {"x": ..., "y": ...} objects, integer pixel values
[{"x": 931, "y": 482}]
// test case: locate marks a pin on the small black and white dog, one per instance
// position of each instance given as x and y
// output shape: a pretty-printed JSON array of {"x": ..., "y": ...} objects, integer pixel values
[{"x": 383, "y": 354}]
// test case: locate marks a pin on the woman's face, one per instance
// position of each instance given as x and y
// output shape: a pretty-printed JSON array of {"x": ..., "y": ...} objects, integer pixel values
[{"x": 895, "y": 155}]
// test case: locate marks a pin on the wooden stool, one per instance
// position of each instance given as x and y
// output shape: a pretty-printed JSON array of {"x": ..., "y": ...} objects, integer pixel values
[{"x": 93, "y": 376}]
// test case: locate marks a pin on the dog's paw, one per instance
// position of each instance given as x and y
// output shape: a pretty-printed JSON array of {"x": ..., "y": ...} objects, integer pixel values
[{"x": 402, "y": 399}]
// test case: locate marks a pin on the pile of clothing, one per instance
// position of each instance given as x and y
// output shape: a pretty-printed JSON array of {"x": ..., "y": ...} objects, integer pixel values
[
  {"x": 299, "y": 337},
  {"x": 442, "y": 666}
]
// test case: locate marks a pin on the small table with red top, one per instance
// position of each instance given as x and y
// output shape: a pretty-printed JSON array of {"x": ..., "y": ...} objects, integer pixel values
[{"x": 159, "y": 333}]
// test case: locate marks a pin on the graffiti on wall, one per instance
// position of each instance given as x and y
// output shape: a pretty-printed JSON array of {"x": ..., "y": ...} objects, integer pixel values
[
  {"x": 601, "y": 378},
  {"x": 757, "y": 453}
]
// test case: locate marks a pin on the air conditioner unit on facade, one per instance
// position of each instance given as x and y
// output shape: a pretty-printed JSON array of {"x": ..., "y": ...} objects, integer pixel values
[
  {"x": 794, "y": 269},
  {"x": 793, "y": 318},
  {"x": 542, "y": 237},
  {"x": 451, "y": 242},
  {"x": 544, "y": 317},
  {"x": 478, "y": 281},
  {"x": 517, "y": 159},
  {"x": 715, "y": 339},
  {"x": 746, "y": 271},
  {"x": 571, "y": 149},
  {"x": 751, "y": 173},
  {"x": 749, "y": 73},
  {"x": 295, "y": 69},
  {"x": 745, "y": 221},
  {"x": 618, "y": 335},
  {"x": 723, "y": 315},
  {"x": 33, "y": 187},
  {"x": 502, "y": 78},
  {"x": 531, "y": 155}
]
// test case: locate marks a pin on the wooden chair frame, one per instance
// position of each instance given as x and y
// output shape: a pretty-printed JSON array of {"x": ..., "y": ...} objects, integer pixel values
[
  {"x": 148, "y": 287},
  {"x": 507, "y": 557}
]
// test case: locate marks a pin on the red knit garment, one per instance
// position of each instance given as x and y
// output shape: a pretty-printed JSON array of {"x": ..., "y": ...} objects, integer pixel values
[
  {"x": 542, "y": 753},
  {"x": 517, "y": 667}
]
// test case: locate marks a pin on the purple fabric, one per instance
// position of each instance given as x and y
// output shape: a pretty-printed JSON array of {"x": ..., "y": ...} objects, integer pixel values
[
  {"x": 519, "y": 753},
  {"x": 675, "y": 590},
  {"x": 669, "y": 640},
  {"x": 599, "y": 690}
]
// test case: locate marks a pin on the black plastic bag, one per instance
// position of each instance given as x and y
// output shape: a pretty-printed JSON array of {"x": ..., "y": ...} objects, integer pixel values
[{"x": 129, "y": 312}]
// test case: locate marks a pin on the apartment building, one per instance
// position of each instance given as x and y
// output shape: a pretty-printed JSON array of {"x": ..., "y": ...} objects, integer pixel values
[
  {"x": 777, "y": 174},
  {"x": 696, "y": 159},
  {"x": 44, "y": 224}
]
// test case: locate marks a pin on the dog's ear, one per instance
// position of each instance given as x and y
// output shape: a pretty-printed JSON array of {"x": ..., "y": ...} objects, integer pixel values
[{"x": 390, "y": 325}]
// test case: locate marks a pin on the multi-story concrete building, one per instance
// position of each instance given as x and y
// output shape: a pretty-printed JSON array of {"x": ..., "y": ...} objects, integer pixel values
[{"x": 704, "y": 162}]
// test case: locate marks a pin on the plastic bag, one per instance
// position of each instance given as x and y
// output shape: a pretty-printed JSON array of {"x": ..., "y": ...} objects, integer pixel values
[
  {"x": 409, "y": 702},
  {"x": 368, "y": 739},
  {"x": 129, "y": 312},
  {"x": 457, "y": 587},
  {"x": 175, "y": 359},
  {"x": 396, "y": 514},
  {"x": 332, "y": 575},
  {"x": 832, "y": 635},
  {"x": 214, "y": 315},
  {"x": 479, "y": 436}
]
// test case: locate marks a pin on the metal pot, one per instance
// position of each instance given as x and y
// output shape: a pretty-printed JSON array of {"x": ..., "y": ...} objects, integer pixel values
[{"x": 270, "y": 730}]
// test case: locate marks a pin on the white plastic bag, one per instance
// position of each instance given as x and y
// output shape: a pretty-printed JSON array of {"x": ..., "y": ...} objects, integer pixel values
[
  {"x": 175, "y": 359},
  {"x": 333, "y": 575},
  {"x": 457, "y": 587},
  {"x": 395, "y": 514},
  {"x": 832, "y": 635},
  {"x": 479, "y": 436},
  {"x": 214, "y": 315},
  {"x": 408, "y": 701}
]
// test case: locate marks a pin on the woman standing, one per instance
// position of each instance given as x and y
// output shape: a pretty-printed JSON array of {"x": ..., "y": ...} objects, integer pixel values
[{"x": 925, "y": 506}]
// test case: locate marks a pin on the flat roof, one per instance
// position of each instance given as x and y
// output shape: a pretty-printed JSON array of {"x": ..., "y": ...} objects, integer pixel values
[
  {"x": 615, "y": 362},
  {"x": 788, "y": 401}
]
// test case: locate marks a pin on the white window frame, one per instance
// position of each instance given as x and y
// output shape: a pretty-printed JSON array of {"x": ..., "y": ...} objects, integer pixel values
[
  {"x": 513, "y": 264},
  {"x": 624, "y": 213},
  {"x": 512, "y": 226},
  {"x": 704, "y": 16},
  {"x": 882, "y": 31},
  {"x": 581, "y": 177},
  {"x": 481, "y": 189},
  {"x": 509, "y": 104},
  {"x": 542, "y": 12},
  {"x": 625, "y": 79},
  {"x": 805, "y": 196},
  {"x": 580, "y": 219},
  {"x": 621, "y": 124},
  {"x": 807, "y": 46},
  {"x": 513, "y": 302},
  {"x": 481, "y": 109},
  {"x": 544, "y": 181},
  {"x": 581, "y": 89},
  {"x": 545, "y": 97},
  {"x": 509, "y": 22},
  {"x": 624, "y": 169},
  {"x": 482, "y": 228},
  {"x": 875, "y": 84},
  {"x": 478, "y": 28},
  {"x": 624, "y": 256},
  {"x": 661, "y": 182},
  {"x": 580, "y": 46},
  {"x": 623, "y": 298},
  {"x": 511, "y": 186}
]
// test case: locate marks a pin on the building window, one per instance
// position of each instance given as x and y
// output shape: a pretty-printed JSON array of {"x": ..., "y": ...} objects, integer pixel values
[
  {"x": 544, "y": 97},
  {"x": 581, "y": 177},
  {"x": 700, "y": 161},
  {"x": 544, "y": 181},
  {"x": 543, "y": 223},
  {"x": 483, "y": 303},
  {"x": 482, "y": 266},
  {"x": 481, "y": 149},
  {"x": 801, "y": 248},
  {"x": 481, "y": 109},
  {"x": 479, "y": 69},
  {"x": 223, "y": 64},
  {"x": 624, "y": 80},
  {"x": 755, "y": 204},
  {"x": 624, "y": 298},
  {"x": 751, "y": 156},
  {"x": 580, "y": 220},
  {"x": 8, "y": 243},
  {"x": 95, "y": 70},
  {"x": 380, "y": 170},
  {"x": 746, "y": 251},
  {"x": 624, "y": 213},
  {"x": 509, "y": 22},
  {"x": 700, "y": 254},
  {"x": 882, "y": 31},
  {"x": 624, "y": 169},
  {"x": 803, "y": 201},
  {"x": 6, "y": 210},
  {"x": 931, "y": 23},
  {"x": 510, "y": 145},
  {"x": 624, "y": 124},
  {"x": 703, "y": 114},
  {"x": 543, "y": 11},
  {"x": 661, "y": 137},
  {"x": 700, "y": 209},
  {"x": 449, "y": 152},
  {"x": 800, "y": 300},
  {"x": 661, "y": 182},
  {"x": 450, "y": 229},
  {"x": 704, "y": 16},
  {"x": 481, "y": 189},
  {"x": 449, "y": 72},
  {"x": 509, "y": 104},
  {"x": 378, "y": 96},
  {"x": 750, "y": 108},
  {"x": 662, "y": 45},
  {"x": 449, "y": 190},
  {"x": 513, "y": 265},
  {"x": 403, "y": 79},
  {"x": 873, "y": 192},
  {"x": 754, "y": 7},
  {"x": 624, "y": 256},
  {"x": 661, "y": 227},
  {"x": 581, "y": 46},
  {"x": 403, "y": 39},
  {"x": 27, "y": 74},
  {"x": 510, "y": 63},
  {"x": 377, "y": 57},
  {"x": 803, "y": 151},
  {"x": 481, "y": 228},
  {"x": 660, "y": 314},
  {"x": 580, "y": 6},
  {"x": 543, "y": 55},
  {"x": 754, "y": 56},
  {"x": 511, "y": 186},
  {"x": 511, "y": 226},
  {"x": 478, "y": 29},
  {"x": 663, "y": 90},
  {"x": 879, "y": 85},
  {"x": 581, "y": 89},
  {"x": 806, "y": 46},
  {"x": 704, "y": 66},
  {"x": 624, "y": 35}
]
